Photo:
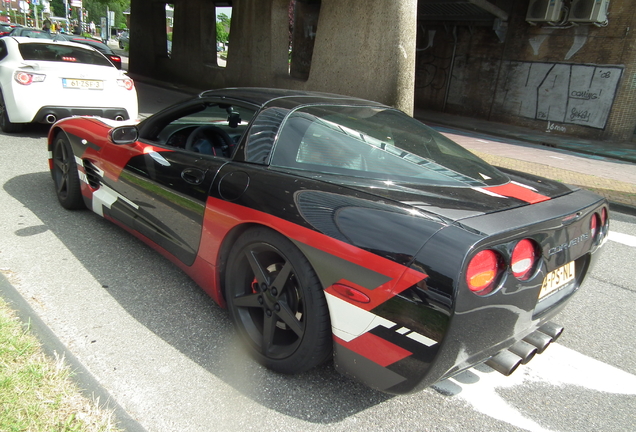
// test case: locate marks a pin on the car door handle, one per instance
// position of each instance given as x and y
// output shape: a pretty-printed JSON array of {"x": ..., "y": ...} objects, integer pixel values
[{"x": 193, "y": 176}]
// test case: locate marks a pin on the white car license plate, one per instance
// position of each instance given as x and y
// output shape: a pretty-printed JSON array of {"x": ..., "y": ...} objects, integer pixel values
[
  {"x": 82, "y": 84},
  {"x": 556, "y": 279}
]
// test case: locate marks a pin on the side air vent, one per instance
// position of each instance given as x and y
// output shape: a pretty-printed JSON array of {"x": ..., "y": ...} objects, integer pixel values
[
  {"x": 93, "y": 174},
  {"x": 544, "y": 11}
]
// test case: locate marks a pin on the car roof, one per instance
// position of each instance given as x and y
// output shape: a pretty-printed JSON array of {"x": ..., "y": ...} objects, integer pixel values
[
  {"x": 284, "y": 98},
  {"x": 23, "y": 40}
]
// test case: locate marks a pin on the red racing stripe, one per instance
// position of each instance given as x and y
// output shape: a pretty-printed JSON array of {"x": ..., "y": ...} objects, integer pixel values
[
  {"x": 376, "y": 349},
  {"x": 512, "y": 190}
]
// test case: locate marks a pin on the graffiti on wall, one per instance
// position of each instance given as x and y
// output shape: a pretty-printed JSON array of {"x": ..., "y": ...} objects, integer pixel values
[{"x": 559, "y": 93}]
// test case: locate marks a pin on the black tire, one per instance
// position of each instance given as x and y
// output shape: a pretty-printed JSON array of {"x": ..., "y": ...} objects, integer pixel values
[
  {"x": 277, "y": 303},
  {"x": 65, "y": 175},
  {"x": 5, "y": 124}
]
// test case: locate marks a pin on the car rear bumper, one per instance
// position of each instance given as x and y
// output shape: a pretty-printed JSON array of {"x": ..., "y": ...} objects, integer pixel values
[
  {"x": 50, "y": 114},
  {"x": 437, "y": 328}
]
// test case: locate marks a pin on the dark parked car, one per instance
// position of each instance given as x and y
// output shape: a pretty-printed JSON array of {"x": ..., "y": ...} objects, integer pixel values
[
  {"x": 99, "y": 46},
  {"x": 124, "y": 39},
  {"x": 5, "y": 29},
  {"x": 335, "y": 226},
  {"x": 31, "y": 33}
]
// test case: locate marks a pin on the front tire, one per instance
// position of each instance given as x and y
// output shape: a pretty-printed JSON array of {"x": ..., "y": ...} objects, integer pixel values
[
  {"x": 277, "y": 303},
  {"x": 65, "y": 174}
]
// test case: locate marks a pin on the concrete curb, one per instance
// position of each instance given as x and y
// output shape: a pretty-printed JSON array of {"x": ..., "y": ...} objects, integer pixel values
[{"x": 51, "y": 345}]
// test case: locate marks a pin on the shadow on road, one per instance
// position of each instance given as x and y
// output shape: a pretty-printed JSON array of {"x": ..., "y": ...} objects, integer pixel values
[{"x": 167, "y": 302}]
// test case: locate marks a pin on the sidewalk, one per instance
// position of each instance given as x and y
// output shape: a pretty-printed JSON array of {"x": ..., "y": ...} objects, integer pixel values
[{"x": 607, "y": 169}]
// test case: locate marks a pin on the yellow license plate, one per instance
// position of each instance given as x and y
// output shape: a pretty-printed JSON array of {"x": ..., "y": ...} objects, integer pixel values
[
  {"x": 557, "y": 279},
  {"x": 82, "y": 84}
]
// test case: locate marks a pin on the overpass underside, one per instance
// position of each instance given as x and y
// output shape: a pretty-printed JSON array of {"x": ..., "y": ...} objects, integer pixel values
[
  {"x": 523, "y": 62},
  {"x": 365, "y": 49}
]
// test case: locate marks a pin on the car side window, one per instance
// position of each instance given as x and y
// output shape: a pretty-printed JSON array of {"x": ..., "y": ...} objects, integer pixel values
[
  {"x": 3, "y": 49},
  {"x": 211, "y": 129}
]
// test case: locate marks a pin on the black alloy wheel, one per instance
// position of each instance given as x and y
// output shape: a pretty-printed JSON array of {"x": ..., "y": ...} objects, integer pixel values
[
  {"x": 65, "y": 175},
  {"x": 277, "y": 303}
]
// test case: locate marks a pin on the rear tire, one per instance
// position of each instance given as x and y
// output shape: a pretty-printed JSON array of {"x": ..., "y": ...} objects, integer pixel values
[
  {"x": 65, "y": 174},
  {"x": 5, "y": 124},
  {"x": 277, "y": 303}
]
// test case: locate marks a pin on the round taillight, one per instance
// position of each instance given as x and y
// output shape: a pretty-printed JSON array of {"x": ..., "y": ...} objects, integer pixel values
[
  {"x": 594, "y": 225},
  {"x": 604, "y": 216},
  {"x": 482, "y": 271},
  {"x": 24, "y": 78},
  {"x": 524, "y": 258},
  {"x": 127, "y": 83}
]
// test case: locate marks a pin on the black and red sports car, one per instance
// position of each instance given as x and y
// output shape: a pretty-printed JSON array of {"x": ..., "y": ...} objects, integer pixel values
[{"x": 334, "y": 226}]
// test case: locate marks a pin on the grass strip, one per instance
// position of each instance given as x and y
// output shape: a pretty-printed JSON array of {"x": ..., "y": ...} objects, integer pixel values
[{"x": 36, "y": 392}]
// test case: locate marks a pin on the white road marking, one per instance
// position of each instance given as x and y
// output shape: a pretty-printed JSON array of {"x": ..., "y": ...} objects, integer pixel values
[
  {"x": 558, "y": 366},
  {"x": 626, "y": 239}
]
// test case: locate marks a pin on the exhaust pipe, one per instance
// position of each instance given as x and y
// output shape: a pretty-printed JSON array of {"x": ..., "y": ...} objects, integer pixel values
[
  {"x": 524, "y": 350},
  {"x": 539, "y": 340},
  {"x": 119, "y": 117},
  {"x": 551, "y": 329},
  {"x": 50, "y": 118},
  {"x": 505, "y": 362}
]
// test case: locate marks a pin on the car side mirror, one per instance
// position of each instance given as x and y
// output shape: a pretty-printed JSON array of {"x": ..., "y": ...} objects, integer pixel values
[{"x": 124, "y": 135}]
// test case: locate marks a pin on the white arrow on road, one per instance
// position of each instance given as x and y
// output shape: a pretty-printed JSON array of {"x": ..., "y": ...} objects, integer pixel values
[{"x": 558, "y": 366}]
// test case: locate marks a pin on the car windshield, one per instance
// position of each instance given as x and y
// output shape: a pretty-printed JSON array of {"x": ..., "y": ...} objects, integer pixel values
[
  {"x": 62, "y": 53},
  {"x": 376, "y": 142}
]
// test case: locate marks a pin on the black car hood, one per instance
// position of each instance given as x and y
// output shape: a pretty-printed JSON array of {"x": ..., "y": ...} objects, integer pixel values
[{"x": 456, "y": 203}]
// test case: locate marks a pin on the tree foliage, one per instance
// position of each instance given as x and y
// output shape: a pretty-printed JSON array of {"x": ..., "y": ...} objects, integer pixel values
[
  {"x": 222, "y": 28},
  {"x": 96, "y": 10}
]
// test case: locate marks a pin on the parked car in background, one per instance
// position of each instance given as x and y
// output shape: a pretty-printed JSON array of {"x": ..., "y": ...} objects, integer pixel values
[
  {"x": 124, "y": 39},
  {"x": 101, "y": 47},
  {"x": 5, "y": 29},
  {"x": 44, "y": 80},
  {"x": 334, "y": 227},
  {"x": 31, "y": 33}
]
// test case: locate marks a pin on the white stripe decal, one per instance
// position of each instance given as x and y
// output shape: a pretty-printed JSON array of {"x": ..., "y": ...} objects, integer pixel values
[
  {"x": 349, "y": 322},
  {"x": 421, "y": 339},
  {"x": 524, "y": 186},
  {"x": 105, "y": 196},
  {"x": 487, "y": 192}
]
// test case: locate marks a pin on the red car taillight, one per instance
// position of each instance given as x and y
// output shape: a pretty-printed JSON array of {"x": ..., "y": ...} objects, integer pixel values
[
  {"x": 482, "y": 272},
  {"x": 604, "y": 217},
  {"x": 116, "y": 60},
  {"x": 127, "y": 83},
  {"x": 524, "y": 259},
  {"x": 595, "y": 223},
  {"x": 26, "y": 78}
]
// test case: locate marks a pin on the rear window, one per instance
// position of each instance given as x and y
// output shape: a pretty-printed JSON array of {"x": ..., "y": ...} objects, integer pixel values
[
  {"x": 378, "y": 143},
  {"x": 62, "y": 53}
]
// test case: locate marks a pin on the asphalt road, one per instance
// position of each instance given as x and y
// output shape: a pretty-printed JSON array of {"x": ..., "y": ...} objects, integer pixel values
[{"x": 168, "y": 355}]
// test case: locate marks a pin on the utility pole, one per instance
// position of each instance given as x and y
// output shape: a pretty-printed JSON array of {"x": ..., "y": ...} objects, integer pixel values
[{"x": 35, "y": 12}]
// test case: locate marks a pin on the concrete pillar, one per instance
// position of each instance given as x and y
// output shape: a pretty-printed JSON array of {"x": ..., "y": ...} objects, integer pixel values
[
  {"x": 366, "y": 49},
  {"x": 148, "y": 37}
]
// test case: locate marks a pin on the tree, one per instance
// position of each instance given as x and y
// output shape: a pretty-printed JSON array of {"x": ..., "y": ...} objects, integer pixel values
[
  {"x": 222, "y": 28},
  {"x": 97, "y": 9},
  {"x": 57, "y": 8}
]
